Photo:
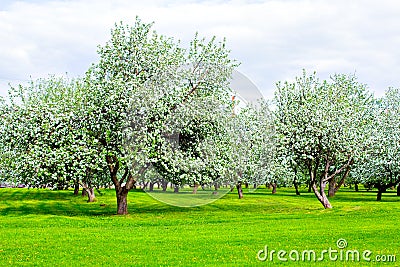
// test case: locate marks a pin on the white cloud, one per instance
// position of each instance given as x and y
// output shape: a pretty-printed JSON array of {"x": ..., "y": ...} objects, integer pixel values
[{"x": 274, "y": 40}]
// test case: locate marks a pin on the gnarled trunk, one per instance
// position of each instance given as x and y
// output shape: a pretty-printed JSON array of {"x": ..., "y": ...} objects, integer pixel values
[
  {"x": 90, "y": 194},
  {"x": 321, "y": 196},
  {"x": 126, "y": 180}
]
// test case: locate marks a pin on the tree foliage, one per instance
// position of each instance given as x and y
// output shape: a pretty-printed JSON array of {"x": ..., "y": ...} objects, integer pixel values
[
  {"x": 379, "y": 165},
  {"x": 320, "y": 125},
  {"x": 42, "y": 138}
]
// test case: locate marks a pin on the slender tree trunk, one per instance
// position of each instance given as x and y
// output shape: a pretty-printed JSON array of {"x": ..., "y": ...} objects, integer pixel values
[
  {"x": 274, "y": 185},
  {"x": 398, "y": 190},
  {"x": 145, "y": 185},
  {"x": 255, "y": 186},
  {"x": 164, "y": 185},
  {"x": 176, "y": 188},
  {"x": 196, "y": 186},
  {"x": 296, "y": 187},
  {"x": 309, "y": 187},
  {"x": 239, "y": 189},
  {"x": 151, "y": 187},
  {"x": 76, "y": 189},
  {"x": 295, "y": 184},
  {"x": 343, "y": 179},
  {"x": 356, "y": 187},
  {"x": 216, "y": 186}
]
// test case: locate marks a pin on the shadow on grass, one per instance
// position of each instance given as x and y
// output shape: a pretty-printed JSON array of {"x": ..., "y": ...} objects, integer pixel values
[{"x": 17, "y": 202}]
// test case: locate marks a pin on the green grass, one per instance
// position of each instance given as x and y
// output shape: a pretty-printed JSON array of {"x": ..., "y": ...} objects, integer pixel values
[{"x": 54, "y": 228}]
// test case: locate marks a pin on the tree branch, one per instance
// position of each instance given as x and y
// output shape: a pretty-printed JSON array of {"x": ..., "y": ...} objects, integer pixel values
[{"x": 349, "y": 162}]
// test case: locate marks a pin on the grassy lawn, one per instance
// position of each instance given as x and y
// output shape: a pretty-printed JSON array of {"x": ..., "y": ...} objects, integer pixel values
[{"x": 54, "y": 228}]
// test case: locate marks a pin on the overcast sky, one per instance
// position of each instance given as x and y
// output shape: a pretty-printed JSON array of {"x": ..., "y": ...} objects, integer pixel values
[{"x": 273, "y": 40}]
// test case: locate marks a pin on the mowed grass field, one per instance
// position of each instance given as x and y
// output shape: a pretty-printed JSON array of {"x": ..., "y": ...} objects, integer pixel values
[{"x": 55, "y": 228}]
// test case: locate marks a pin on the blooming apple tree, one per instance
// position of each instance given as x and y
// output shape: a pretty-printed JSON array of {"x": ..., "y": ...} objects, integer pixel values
[
  {"x": 321, "y": 125},
  {"x": 42, "y": 138},
  {"x": 146, "y": 91},
  {"x": 379, "y": 166}
]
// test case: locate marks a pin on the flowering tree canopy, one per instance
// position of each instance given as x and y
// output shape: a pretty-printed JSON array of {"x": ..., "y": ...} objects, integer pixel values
[{"x": 321, "y": 125}]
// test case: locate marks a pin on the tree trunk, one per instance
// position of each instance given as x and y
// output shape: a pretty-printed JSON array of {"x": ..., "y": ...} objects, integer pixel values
[
  {"x": 164, "y": 185},
  {"x": 151, "y": 187},
  {"x": 145, "y": 185},
  {"x": 240, "y": 190},
  {"x": 176, "y": 188},
  {"x": 398, "y": 190},
  {"x": 321, "y": 196},
  {"x": 332, "y": 186},
  {"x": 296, "y": 186},
  {"x": 76, "y": 189},
  {"x": 379, "y": 195},
  {"x": 381, "y": 190},
  {"x": 90, "y": 194},
  {"x": 216, "y": 186},
  {"x": 122, "y": 202},
  {"x": 274, "y": 185},
  {"x": 126, "y": 179},
  {"x": 309, "y": 186},
  {"x": 84, "y": 193},
  {"x": 196, "y": 186},
  {"x": 356, "y": 187}
]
